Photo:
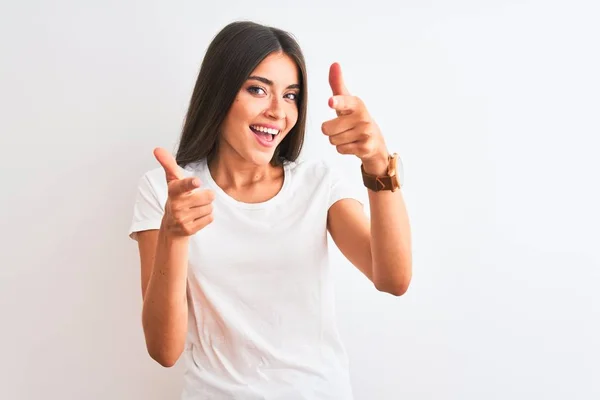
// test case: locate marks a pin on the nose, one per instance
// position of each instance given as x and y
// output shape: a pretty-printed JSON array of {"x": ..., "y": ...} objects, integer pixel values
[{"x": 275, "y": 109}]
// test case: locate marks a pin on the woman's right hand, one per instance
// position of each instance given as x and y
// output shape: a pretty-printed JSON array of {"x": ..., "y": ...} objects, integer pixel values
[{"x": 187, "y": 210}]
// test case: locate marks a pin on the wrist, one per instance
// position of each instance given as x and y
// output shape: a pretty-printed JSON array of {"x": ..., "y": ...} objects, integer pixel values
[
  {"x": 377, "y": 165},
  {"x": 169, "y": 235}
]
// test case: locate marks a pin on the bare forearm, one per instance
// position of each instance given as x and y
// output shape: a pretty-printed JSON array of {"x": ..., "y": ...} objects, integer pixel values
[
  {"x": 390, "y": 241},
  {"x": 165, "y": 313}
]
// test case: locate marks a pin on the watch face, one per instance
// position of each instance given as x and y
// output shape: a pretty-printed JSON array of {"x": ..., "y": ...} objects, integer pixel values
[
  {"x": 400, "y": 170},
  {"x": 396, "y": 169}
]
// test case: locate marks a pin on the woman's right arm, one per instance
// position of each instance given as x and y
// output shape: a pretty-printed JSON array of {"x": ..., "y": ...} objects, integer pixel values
[
  {"x": 164, "y": 262},
  {"x": 164, "y": 275}
]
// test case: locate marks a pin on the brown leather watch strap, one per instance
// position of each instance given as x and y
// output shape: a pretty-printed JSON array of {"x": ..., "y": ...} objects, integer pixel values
[
  {"x": 377, "y": 183},
  {"x": 383, "y": 182}
]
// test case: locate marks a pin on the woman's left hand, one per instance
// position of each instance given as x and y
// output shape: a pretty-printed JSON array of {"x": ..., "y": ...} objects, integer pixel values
[{"x": 354, "y": 131}]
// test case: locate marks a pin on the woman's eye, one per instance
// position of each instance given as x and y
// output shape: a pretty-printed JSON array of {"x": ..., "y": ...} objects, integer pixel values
[
  {"x": 255, "y": 90},
  {"x": 292, "y": 96},
  {"x": 260, "y": 91}
]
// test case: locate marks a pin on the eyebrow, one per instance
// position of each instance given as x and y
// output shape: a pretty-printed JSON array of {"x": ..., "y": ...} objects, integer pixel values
[{"x": 270, "y": 82}]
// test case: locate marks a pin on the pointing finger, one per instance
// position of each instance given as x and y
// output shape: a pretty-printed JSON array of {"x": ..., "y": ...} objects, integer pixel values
[
  {"x": 336, "y": 80},
  {"x": 172, "y": 170}
]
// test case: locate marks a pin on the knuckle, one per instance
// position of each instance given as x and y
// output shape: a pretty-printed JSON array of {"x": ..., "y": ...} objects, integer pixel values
[
  {"x": 178, "y": 217},
  {"x": 203, "y": 196},
  {"x": 175, "y": 186}
]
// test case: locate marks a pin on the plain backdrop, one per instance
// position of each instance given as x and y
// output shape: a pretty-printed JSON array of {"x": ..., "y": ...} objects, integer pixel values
[{"x": 492, "y": 105}]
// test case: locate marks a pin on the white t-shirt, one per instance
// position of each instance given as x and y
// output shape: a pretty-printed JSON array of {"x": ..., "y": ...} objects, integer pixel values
[{"x": 260, "y": 289}]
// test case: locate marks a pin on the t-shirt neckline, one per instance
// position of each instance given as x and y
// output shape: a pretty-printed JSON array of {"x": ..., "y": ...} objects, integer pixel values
[{"x": 207, "y": 179}]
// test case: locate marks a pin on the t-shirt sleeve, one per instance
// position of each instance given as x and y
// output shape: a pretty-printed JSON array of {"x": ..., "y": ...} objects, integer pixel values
[
  {"x": 147, "y": 209},
  {"x": 342, "y": 186}
]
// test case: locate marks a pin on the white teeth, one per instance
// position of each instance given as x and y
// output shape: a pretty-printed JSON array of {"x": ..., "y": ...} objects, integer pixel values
[{"x": 265, "y": 130}]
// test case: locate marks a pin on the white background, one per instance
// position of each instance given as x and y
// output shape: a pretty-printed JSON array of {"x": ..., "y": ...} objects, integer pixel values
[{"x": 492, "y": 105}]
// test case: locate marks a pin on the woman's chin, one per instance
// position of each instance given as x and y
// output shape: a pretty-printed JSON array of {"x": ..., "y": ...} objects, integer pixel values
[
  {"x": 249, "y": 153},
  {"x": 261, "y": 158},
  {"x": 258, "y": 157}
]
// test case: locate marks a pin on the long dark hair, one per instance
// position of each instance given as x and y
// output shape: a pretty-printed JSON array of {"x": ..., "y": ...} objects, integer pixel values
[{"x": 229, "y": 60}]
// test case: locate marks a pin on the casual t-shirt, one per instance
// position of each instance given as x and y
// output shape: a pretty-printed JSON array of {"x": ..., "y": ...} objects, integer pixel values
[{"x": 260, "y": 289}]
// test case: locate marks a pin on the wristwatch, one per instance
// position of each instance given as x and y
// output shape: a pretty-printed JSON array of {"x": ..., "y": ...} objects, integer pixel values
[{"x": 393, "y": 180}]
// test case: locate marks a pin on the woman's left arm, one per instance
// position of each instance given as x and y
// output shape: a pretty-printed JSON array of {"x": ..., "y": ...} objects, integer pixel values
[{"x": 380, "y": 248}]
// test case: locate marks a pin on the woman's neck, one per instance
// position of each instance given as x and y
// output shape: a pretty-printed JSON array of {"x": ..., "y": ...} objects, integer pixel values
[{"x": 231, "y": 172}]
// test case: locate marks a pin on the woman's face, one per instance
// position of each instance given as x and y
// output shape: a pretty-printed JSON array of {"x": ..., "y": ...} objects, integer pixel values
[{"x": 264, "y": 110}]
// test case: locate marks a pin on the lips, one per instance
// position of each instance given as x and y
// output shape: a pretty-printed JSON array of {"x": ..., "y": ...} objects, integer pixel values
[
  {"x": 265, "y": 135},
  {"x": 265, "y": 129}
]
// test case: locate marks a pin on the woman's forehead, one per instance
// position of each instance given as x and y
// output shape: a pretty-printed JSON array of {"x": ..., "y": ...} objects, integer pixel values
[{"x": 278, "y": 68}]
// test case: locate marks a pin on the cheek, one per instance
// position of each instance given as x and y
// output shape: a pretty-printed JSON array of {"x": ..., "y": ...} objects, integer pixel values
[
  {"x": 239, "y": 116},
  {"x": 292, "y": 117}
]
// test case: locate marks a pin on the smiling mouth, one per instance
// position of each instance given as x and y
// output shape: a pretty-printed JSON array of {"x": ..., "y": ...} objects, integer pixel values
[{"x": 267, "y": 134}]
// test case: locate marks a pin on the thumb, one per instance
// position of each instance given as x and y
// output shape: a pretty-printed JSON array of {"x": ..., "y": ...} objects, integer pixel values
[
  {"x": 172, "y": 170},
  {"x": 336, "y": 80}
]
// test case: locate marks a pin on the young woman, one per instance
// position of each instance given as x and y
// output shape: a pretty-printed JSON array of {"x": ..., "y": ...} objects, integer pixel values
[{"x": 232, "y": 232}]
